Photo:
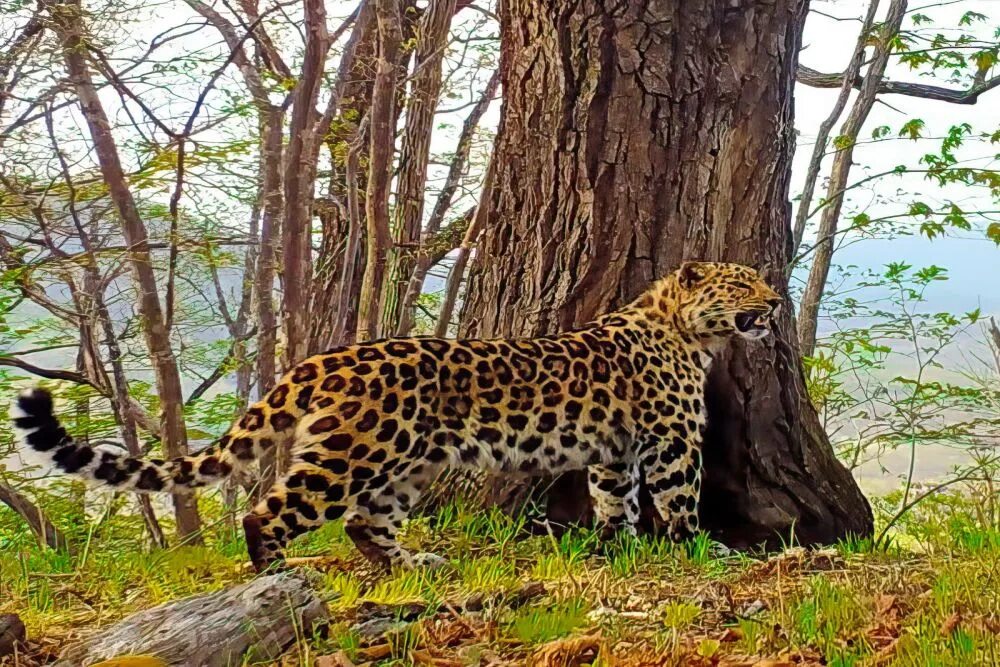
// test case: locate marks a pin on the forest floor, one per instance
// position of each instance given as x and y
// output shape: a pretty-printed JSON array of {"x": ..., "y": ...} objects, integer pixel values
[{"x": 930, "y": 596}]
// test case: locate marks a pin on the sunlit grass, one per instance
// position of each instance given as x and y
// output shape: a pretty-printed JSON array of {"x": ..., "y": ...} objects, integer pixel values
[
  {"x": 536, "y": 625},
  {"x": 929, "y": 594}
]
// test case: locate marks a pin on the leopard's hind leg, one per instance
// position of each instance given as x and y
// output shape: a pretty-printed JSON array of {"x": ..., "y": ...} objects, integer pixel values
[
  {"x": 308, "y": 497},
  {"x": 376, "y": 515}
]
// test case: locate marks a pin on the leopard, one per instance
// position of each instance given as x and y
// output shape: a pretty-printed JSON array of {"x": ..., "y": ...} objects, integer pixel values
[{"x": 370, "y": 425}]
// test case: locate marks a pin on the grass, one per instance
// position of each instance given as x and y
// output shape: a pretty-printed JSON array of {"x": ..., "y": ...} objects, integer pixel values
[
  {"x": 929, "y": 596},
  {"x": 543, "y": 623}
]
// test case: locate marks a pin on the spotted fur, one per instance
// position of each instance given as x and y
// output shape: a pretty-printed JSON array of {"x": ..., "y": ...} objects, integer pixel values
[{"x": 370, "y": 425}]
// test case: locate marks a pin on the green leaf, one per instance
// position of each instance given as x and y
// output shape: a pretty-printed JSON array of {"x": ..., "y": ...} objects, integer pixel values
[
  {"x": 842, "y": 141},
  {"x": 931, "y": 272},
  {"x": 931, "y": 229},
  {"x": 993, "y": 232},
  {"x": 969, "y": 17},
  {"x": 896, "y": 270},
  {"x": 912, "y": 129},
  {"x": 985, "y": 60},
  {"x": 956, "y": 217},
  {"x": 881, "y": 131}
]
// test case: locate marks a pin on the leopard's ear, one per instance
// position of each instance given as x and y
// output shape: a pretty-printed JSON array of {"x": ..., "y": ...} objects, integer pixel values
[{"x": 691, "y": 273}]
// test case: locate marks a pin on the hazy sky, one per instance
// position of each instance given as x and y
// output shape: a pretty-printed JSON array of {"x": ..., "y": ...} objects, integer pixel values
[{"x": 973, "y": 262}]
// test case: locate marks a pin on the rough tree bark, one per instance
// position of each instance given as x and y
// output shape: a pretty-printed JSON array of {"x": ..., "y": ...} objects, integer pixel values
[
  {"x": 271, "y": 195},
  {"x": 339, "y": 274},
  {"x": 68, "y": 22},
  {"x": 300, "y": 173},
  {"x": 337, "y": 280},
  {"x": 407, "y": 317},
  {"x": 271, "y": 154},
  {"x": 634, "y": 135},
  {"x": 421, "y": 104},
  {"x": 250, "y": 623},
  {"x": 381, "y": 130},
  {"x": 350, "y": 257}
]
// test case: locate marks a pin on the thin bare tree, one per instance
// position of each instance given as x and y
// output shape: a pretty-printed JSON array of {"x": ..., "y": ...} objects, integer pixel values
[{"x": 68, "y": 21}]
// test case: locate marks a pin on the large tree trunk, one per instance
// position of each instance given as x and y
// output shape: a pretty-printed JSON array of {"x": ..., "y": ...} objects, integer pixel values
[
  {"x": 421, "y": 105},
  {"x": 383, "y": 114},
  {"x": 299, "y": 182},
  {"x": 635, "y": 135}
]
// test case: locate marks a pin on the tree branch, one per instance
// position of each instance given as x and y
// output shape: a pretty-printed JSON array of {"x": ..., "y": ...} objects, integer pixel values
[
  {"x": 220, "y": 370},
  {"x": 476, "y": 225},
  {"x": 819, "y": 148},
  {"x": 48, "y": 373},
  {"x": 68, "y": 23},
  {"x": 13, "y": 49},
  {"x": 839, "y": 172},
  {"x": 299, "y": 180},
  {"x": 411, "y": 181},
  {"x": 430, "y": 255},
  {"x": 447, "y": 239},
  {"x": 382, "y": 132},
  {"x": 33, "y": 515},
  {"x": 816, "y": 79}
]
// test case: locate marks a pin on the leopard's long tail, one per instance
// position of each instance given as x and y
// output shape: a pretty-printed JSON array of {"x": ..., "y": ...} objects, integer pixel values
[{"x": 42, "y": 434}]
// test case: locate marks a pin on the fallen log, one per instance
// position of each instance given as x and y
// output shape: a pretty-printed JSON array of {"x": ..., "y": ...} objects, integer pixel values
[{"x": 252, "y": 622}]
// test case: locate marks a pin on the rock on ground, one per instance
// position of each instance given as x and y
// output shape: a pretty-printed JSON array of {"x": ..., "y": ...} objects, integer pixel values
[
  {"x": 254, "y": 621},
  {"x": 11, "y": 633}
]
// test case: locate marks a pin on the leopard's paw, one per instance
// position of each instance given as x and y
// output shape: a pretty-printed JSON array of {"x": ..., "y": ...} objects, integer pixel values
[{"x": 429, "y": 561}]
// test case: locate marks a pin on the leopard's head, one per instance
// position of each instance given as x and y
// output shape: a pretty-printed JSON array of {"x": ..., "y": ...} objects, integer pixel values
[{"x": 715, "y": 299}]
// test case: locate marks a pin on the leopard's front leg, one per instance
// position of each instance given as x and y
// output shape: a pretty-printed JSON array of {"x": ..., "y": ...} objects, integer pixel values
[
  {"x": 671, "y": 461},
  {"x": 614, "y": 490}
]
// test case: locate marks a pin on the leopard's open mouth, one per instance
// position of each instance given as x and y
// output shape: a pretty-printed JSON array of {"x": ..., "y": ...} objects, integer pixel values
[{"x": 752, "y": 322}]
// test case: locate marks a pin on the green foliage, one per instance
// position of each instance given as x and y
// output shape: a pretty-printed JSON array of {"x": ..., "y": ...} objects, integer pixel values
[
  {"x": 678, "y": 615},
  {"x": 912, "y": 129},
  {"x": 993, "y": 232},
  {"x": 842, "y": 141},
  {"x": 826, "y": 613},
  {"x": 536, "y": 625},
  {"x": 879, "y": 378},
  {"x": 880, "y": 383},
  {"x": 881, "y": 131}
]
